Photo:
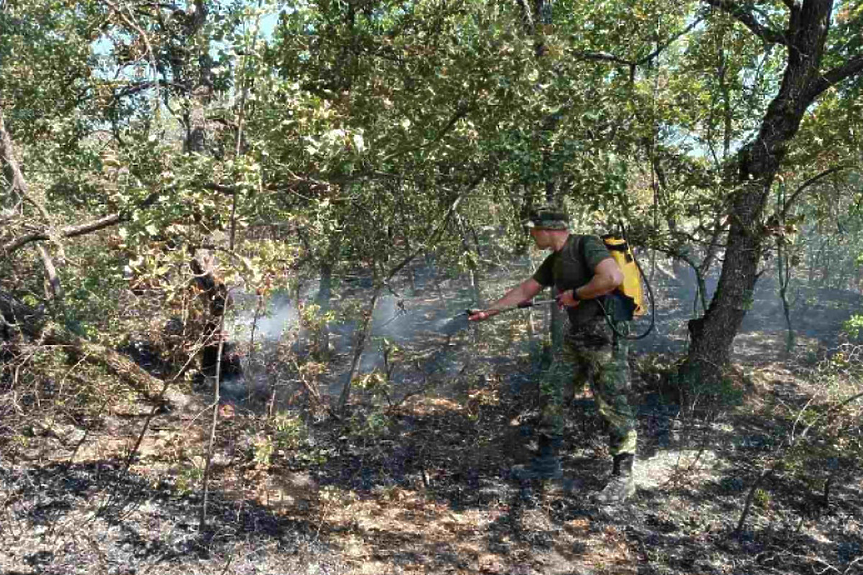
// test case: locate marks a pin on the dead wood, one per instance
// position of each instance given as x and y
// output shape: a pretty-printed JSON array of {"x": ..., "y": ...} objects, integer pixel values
[{"x": 32, "y": 324}]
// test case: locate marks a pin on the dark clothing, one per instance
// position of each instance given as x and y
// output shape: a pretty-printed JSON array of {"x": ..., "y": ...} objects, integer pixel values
[{"x": 571, "y": 268}]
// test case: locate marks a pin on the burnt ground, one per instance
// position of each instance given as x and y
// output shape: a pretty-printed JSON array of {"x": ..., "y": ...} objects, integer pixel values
[{"x": 416, "y": 478}]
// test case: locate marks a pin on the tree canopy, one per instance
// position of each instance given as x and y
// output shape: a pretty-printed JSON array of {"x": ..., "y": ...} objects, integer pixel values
[{"x": 296, "y": 138}]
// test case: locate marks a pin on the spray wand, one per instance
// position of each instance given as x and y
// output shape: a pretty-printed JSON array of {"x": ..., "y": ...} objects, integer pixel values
[{"x": 522, "y": 305}]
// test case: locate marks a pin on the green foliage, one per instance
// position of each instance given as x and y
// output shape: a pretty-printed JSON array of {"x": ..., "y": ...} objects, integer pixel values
[
  {"x": 188, "y": 479},
  {"x": 289, "y": 432},
  {"x": 370, "y": 426},
  {"x": 853, "y": 326},
  {"x": 284, "y": 437},
  {"x": 351, "y": 138},
  {"x": 762, "y": 498}
]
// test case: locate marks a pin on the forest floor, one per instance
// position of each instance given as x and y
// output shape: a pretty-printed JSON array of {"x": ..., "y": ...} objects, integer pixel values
[{"x": 417, "y": 478}]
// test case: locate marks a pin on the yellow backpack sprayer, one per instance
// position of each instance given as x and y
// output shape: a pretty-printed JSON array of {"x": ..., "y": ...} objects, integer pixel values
[
  {"x": 627, "y": 301},
  {"x": 631, "y": 286}
]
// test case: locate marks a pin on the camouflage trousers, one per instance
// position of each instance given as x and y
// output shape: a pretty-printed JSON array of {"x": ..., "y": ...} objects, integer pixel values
[{"x": 594, "y": 355}]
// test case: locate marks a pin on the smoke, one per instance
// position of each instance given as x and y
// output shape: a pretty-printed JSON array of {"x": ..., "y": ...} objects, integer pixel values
[
  {"x": 406, "y": 319},
  {"x": 426, "y": 316},
  {"x": 278, "y": 316}
]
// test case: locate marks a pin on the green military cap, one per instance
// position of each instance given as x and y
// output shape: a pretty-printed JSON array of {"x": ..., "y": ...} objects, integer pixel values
[{"x": 548, "y": 217}]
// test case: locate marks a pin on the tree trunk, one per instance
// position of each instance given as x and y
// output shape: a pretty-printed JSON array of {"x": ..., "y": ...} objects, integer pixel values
[
  {"x": 758, "y": 162},
  {"x": 215, "y": 294},
  {"x": 360, "y": 346}
]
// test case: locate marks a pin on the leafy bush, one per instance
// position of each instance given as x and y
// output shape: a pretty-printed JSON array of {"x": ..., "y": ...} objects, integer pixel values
[{"x": 853, "y": 327}]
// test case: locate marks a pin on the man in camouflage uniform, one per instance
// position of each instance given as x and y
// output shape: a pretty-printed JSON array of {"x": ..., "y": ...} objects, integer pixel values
[{"x": 582, "y": 270}]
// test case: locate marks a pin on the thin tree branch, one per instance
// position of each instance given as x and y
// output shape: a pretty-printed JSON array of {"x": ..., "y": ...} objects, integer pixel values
[
  {"x": 7, "y": 155},
  {"x": 830, "y": 411},
  {"x": 813, "y": 180},
  {"x": 526, "y": 16},
  {"x": 68, "y": 232},
  {"x": 51, "y": 274},
  {"x": 601, "y": 57},
  {"x": 744, "y": 15},
  {"x": 437, "y": 232},
  {"x": 130, "y": 21},
  {"x": 606, "y": 57},
  {"x": 132, "y": 89},
  {"x": 459, "y": 114},
  {"x": 669, "y": 42},
  {"x": 19, "y": 184},
  {"x": 75, "y": 231}
]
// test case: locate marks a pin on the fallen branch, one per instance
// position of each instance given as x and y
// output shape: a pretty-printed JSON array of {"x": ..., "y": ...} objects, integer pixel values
[{"x": 33, "y": 324}]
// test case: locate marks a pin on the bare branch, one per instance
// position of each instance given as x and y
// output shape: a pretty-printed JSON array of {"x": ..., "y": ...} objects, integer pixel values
[
  {"x": 67, "y": 232},
  {"x": 433, "y": 236},
  {"x": 230, "y": 190},
  {"x": 130, "y": 21},
  {"x": 10, "y": 165},
  {"x": 813, "y": 180},
  {"x": 606, "y": 57},
  {"x": 125, "y": 90},
  {"x": 830, "y": 411},
  {"x": 744, "y": 15},
  {"x": 668, "y": 43},
  {"x": 51, "y": 274},
  {"x": 19, "y": 185},
  {"x": 526, "y": 16},
  {"x": 460, "y": 113},
  {"x": 601, "y": 57},
  {"x": 75, "y": 231}
]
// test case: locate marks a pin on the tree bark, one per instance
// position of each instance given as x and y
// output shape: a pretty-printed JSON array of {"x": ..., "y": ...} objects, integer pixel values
[
  {"x": 758, "y": 163},
  {"x": 360, "y": 346},
  {"x": 215, "y": 294}
]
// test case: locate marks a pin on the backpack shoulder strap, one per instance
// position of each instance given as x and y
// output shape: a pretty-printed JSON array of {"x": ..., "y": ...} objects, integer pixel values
[{"x": 578, "y": 247}]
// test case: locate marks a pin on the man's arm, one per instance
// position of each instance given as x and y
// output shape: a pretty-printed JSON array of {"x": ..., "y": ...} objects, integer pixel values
[
  {"x": 524, "y": 291},
  {"x": 606, "y": 277}
]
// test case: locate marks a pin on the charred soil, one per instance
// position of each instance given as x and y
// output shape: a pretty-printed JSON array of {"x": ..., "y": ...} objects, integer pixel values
[{"x": 416, "y": 476}]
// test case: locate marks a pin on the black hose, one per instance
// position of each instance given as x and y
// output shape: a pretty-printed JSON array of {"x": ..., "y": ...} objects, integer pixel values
[{"x": 608, "y": 317}]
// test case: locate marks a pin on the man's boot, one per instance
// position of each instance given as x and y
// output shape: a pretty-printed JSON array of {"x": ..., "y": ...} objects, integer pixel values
[
  {"x": 545, "y": 465},
  {"x": 621, "y": 486}
]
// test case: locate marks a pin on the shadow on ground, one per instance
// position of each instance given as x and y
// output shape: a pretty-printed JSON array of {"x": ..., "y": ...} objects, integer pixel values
[{"x": 94, "y": 517}]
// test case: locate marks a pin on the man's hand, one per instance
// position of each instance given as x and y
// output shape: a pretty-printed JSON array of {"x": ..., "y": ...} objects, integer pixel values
[
  {"x": 481, "y": 314},
  {"x": 568, "y": 299}
]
